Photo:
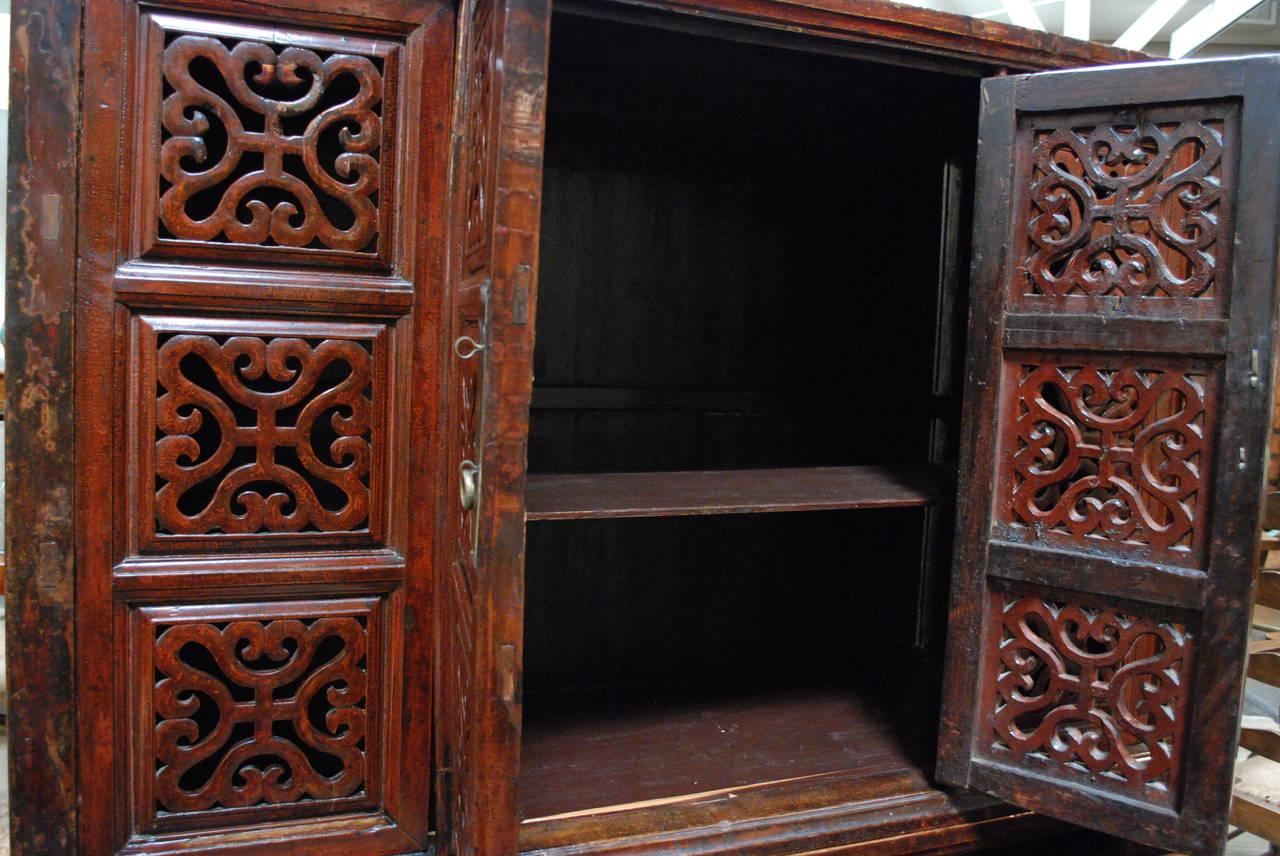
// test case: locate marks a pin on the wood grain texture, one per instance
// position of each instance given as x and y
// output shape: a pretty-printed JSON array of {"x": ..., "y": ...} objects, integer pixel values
[
  {"x": 893, "y": 32},
  {"x": 264, "y": 389},
  {"x": 262, "y": 711},
  {"x": 596, "y": 752},
  {"x": 604, "y": 495},
  {"x": 1081, "y": 612},
  {"x": 499, "y": 105},
  {"x": 270, "y": 149},
  {"x": 896, "y": 812},
  {"x": 284, "y": 176},
  {"x": 40, "y": 423}
]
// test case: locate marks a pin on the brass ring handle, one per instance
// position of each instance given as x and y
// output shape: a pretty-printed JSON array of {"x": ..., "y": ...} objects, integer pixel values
[
  {"x": 471, "y": 345},
  {"x": 469, "y": 484}
]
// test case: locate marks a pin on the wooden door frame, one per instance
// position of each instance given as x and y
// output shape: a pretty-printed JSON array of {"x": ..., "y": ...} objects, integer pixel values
[{"x": 44, "y": 170}]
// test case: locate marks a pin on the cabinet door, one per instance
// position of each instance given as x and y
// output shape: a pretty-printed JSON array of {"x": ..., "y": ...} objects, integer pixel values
[
  {"x": 499, "y": 108},
  {"x": 262, "y": 199},
  {"x": 1119, "y": 375}
]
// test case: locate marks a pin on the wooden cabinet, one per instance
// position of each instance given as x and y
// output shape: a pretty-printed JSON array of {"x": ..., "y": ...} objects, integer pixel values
[{"x": 554, "y": 428}]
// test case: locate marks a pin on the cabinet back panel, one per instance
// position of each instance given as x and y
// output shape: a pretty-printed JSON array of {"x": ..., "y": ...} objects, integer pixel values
[
  {"x": 771, "y": 597},
  {"x": 754, "y": 227}
]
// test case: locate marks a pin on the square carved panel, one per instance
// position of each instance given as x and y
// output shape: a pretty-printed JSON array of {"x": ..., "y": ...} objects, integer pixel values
[
  {"x": 1108, "y": 453},
  {"x": 267, "y": 144},
  {"x": 1087, "y": 694},
  {"x": 263, "y": 433},
  {"x": 1126, "y": 207},
  {"x": 258, "y": 711}
]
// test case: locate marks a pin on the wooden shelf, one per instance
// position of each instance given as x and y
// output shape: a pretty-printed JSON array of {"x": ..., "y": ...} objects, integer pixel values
[
  {"x": 674, "y": 494},
  {"x": 621, "y": 748}
]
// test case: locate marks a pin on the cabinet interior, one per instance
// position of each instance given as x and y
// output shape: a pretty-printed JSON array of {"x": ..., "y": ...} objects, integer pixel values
[{"x": 752, "y": 267}]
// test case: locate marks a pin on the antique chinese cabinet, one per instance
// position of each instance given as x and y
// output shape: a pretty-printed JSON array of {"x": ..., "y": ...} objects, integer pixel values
[{"x": 761, "y": 549}]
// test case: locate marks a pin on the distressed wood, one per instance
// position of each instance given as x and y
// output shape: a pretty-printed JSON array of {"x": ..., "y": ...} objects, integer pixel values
[
  {"x": 1059, "y": 675},
  {"x": 910, "y": 34},
  {"x": 308, "y": 254},
  {"x": 40, "y": 426},
  {"x": 254, "y": 577},
  {"x": 499, "y": 104}
]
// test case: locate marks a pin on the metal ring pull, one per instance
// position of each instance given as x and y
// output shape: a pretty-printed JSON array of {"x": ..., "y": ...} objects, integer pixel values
[
  {"x": 468, "y": 484},
  {"x": 472, "y": 347}
]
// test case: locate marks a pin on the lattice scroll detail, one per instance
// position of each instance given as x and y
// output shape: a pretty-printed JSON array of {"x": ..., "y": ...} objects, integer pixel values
[
  {"x": 480, "y": 154},
  {"x": 1126, "y": 209},
  {"x": 270, "y": 147},
  {"x": 260, "y": 711},
  {"x": 1096, "y": 691},
  {"x": 1115, "y": 454},
  {"x": 263, "y": 434}
]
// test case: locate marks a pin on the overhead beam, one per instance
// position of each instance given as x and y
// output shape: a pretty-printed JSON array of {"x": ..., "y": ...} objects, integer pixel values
[
  {"x": 1150, "y": 22},
  {"x": 1075, "y": 18},
  {"x": 1022, "y": 13},
  {"x": 1206, "y": 24}
]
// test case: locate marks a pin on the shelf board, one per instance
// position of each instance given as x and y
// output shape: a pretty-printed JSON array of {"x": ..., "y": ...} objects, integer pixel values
[
  {"x": 675, "y": 494},
  {"x": 631, "y": 747}
]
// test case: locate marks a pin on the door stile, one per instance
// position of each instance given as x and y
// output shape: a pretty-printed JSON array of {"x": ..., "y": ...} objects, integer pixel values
[
  {"x": 977, "y": 432},
  {"x": 498, "y": 169},
  {"x": 40, "y": 532},
  {"x": 1233, "y": 559}
]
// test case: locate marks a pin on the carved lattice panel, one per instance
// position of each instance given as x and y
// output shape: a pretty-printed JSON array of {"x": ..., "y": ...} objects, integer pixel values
[
  {"x": 482, "y": 99},
  {"x": 269, "y": 143},
  {"x": 268, "y": 431},
  {"x": 250, "y": 711},
  {"x": 1109, "y": 453},
  {"x": 1099, "y": 695},
  {"x": 1127, "y": 207}
]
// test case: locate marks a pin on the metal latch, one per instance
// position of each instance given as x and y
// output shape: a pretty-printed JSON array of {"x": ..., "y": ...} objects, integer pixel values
[
  {"x": 468, "y": 484},
  {"x": 466, "y": 347}
]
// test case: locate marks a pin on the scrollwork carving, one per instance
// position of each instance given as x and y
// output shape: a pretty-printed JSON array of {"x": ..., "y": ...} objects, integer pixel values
[
  {"x": 262, "y": 434},
  {"x": 260, "y": 711},
  {"x": 1126, "y": 209},
  {"x": 1116, "y": 454},
  {"x": 269, "y": 146},
  {"x": 1094, "y": 690}
]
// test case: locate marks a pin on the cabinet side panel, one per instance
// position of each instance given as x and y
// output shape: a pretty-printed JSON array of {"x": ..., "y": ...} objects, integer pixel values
[{"x": 44, "y": 122}]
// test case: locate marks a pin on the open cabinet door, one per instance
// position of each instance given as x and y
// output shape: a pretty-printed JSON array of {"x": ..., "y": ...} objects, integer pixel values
[
  {"x": 1119, "y": 375},
  {"x": 499, "y": 106}
]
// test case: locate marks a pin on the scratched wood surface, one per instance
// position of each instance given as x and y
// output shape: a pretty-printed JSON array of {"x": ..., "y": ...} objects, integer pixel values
[
  {"x": 40, "y": 426},
  {"x": 1110, "y": 495}
]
